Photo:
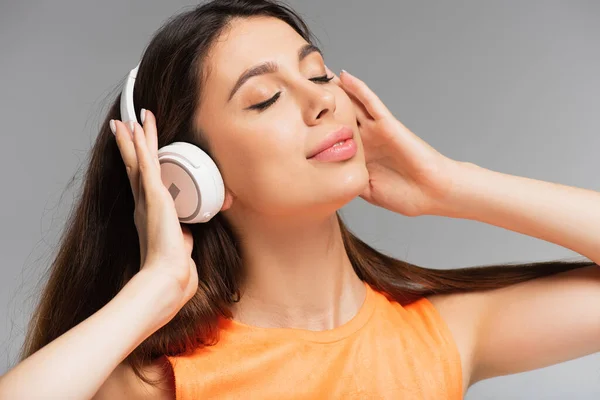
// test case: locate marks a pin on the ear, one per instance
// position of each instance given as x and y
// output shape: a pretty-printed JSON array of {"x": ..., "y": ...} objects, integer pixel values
[{"x": 228, "y": 201}]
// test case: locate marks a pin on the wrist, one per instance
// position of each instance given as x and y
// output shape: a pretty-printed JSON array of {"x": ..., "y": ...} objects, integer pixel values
[
  {"x": 454, "y": 203},
  {"x": 156, "y": 298}
]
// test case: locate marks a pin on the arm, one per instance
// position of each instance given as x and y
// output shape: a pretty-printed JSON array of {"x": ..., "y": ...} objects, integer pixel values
[
  {"x": 564, "y": 215},
  {"x": 124, "y": 384},
  {"x": 544, "y": 321},
  {"x": 76, "y": 364}
]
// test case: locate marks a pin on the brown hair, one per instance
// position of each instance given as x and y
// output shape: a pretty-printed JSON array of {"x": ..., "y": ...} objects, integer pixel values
[{"x": 99, "y": 248}]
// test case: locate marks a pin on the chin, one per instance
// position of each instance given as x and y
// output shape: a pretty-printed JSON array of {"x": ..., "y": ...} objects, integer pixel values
[{"x": 351, "y": 182}]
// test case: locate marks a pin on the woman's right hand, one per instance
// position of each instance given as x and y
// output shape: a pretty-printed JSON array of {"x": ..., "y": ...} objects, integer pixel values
[{"x": 165, "y": 243}]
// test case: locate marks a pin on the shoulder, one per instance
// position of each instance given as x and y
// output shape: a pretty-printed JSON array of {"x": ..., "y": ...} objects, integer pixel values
[
  {"x": 124, "y": 384},
  {"x": 461, "y": 311}
]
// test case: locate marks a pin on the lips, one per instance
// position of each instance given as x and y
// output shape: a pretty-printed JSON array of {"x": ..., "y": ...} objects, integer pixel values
[{"x": 340, "y": 135}]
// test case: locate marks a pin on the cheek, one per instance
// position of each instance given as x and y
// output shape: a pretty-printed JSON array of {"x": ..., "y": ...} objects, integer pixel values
[
  {"x": 271, "y": 183},
  {"x": 263, "y": 162},
  {"x": 344, "y": 106}
]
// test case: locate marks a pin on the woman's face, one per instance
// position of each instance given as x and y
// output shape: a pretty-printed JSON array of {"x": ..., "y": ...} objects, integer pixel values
[{"x": 262, "y": 154}]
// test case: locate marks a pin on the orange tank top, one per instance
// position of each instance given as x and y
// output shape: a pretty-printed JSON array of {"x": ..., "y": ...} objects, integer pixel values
[{"x": 386, "y": 351}]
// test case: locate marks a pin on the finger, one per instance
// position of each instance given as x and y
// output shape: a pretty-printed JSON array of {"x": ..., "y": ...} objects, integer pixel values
[
  {"x": 362, "y": 115},
  {"x": 361, "y": 112},
  {"x": 366, "y": 96},
  {"x": 151, "y": 135},
  {"x": 336, "y": 79},
  {"x": 149, "y": 172},
  {"x": 128, "y": 154}
]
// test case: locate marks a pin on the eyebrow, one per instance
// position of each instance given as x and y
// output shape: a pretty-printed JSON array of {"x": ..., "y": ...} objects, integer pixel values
[{"x": 269, "y": 67}]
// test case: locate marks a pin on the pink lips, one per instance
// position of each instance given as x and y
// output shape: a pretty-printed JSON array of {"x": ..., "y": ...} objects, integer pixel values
[
  {"x": 341, "y": 152},
  {"x": 343, "y": 134}
]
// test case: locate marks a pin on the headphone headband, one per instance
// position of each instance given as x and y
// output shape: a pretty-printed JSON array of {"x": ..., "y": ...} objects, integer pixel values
[
  {"x": 190, "y": 175},
  {"x": 127, "y": 108}
]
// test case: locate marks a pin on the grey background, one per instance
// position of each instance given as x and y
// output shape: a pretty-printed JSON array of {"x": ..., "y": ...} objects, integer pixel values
[{"x": 512, "y": 86}]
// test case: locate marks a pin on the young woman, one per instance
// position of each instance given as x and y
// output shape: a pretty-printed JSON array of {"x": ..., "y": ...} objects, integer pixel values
[{"x": 274, "y": 297}]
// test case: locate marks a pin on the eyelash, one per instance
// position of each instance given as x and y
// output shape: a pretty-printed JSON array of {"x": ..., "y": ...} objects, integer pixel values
[{"x": 265, "y": 104}]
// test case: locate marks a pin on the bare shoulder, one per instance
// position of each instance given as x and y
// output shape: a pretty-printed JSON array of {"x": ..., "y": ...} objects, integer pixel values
[
  {"x": 461, "y": 312},
  {"x": 124, "y": 384}
]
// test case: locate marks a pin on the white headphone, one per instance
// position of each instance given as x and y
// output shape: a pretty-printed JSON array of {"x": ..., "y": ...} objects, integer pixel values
[{"x": 189, "y": 174}]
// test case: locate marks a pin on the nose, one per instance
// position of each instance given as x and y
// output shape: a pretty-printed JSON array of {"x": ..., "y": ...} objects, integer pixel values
[{"x": 318, "y": 101}]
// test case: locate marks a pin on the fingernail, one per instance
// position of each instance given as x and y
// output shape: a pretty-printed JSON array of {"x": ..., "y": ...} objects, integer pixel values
[
  {"x": 113, "y": 126},
  {"x": 143, "y": 115},
  {"x": 132, "y": 126},
  {"x": 345, "y": 72}
]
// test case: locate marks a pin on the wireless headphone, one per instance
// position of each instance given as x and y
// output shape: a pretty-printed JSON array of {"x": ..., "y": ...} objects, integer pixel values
[{"x": 190, "y": 175}]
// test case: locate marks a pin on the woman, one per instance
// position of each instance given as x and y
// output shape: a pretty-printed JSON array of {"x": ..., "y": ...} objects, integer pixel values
[{"x": 274, "y": 297}]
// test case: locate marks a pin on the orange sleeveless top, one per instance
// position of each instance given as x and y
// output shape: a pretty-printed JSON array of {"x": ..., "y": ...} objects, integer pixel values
[{"x": 386, "y": 351}]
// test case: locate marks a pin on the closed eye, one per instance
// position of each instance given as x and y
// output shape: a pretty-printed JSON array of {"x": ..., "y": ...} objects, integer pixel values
[{"x": 267, "y": 103}]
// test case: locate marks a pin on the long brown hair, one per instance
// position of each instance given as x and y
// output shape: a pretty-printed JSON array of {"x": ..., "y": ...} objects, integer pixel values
[{"x": 99, "y": 248}]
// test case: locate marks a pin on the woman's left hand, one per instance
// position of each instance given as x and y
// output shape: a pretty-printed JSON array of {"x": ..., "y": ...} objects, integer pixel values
[{"x": 406, "y": 175}]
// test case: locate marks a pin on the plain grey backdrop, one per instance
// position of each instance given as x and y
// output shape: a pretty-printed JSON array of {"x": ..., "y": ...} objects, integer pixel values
[{"x": 512, "y": 86}]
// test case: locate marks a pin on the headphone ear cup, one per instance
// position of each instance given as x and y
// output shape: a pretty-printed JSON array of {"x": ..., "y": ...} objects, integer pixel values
[{"x": 193, "y": 180}]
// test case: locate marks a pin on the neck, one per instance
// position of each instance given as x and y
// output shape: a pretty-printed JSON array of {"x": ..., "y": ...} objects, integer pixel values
[{"x": 298, "y": 275}]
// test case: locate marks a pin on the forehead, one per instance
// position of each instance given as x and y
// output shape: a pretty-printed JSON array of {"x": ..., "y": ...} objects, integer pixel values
[{"x": 247, "y": 42}]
